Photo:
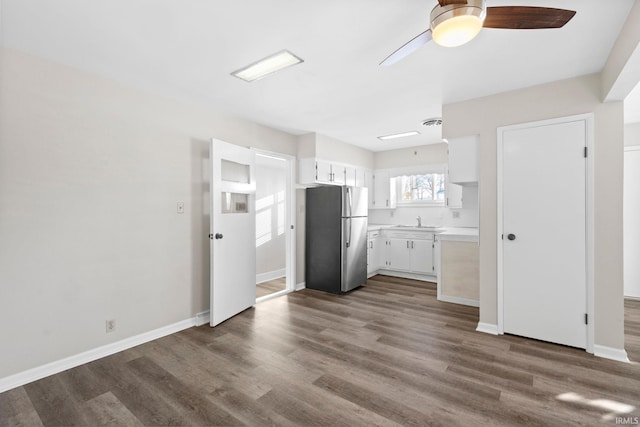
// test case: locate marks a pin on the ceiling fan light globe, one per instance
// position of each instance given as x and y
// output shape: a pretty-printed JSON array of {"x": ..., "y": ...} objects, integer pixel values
[
  {"x": 456, "y": 24},
  {"x": 457, "y": 31}
]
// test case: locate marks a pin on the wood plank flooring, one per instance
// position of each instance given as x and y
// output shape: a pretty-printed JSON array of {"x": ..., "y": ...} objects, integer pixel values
[
  {"x": 270, "y": 287},
  {"x": 385, "y": 354}
]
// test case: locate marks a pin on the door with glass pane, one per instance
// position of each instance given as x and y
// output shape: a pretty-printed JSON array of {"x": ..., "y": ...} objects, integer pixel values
[{"x": 233, "y": 264}]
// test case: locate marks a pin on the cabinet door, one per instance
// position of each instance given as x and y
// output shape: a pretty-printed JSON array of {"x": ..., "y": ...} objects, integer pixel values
[
  {"x": 398, "y": 255},
  {"x": 323, "y": 171},
  {"x": 360, "y": 177},
  {"x": 350, "y": 176},
  {"x": 338, "y": 174},
  {"x": 422, "y": 256},
  {"x": 463, "y": 159},
  {"x": 454, "y": 195},
  {"x": 373, "y": 255},
  {"x": 384, "y": 191},
  {"x": 368, "y": 181}
]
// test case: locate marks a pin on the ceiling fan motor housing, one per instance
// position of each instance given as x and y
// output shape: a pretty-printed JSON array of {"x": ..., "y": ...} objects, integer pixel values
[{"x": 464, "y": 17}]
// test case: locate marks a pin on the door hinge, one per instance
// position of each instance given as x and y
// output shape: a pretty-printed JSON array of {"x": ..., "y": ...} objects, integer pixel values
[
  {"x": 585, "y": 151},
  {"x": 586, "y": 319}
]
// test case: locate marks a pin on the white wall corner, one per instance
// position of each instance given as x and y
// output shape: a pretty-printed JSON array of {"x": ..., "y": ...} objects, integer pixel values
[
  {"x": 617, "y": 354},
  {"x": 487, "y": 328},
  {"x": 300, "y": 286}
]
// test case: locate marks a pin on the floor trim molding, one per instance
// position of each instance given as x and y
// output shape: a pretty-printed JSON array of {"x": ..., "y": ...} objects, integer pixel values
[
  {"x": 487, "y": 328},
  {"x": 270, "y": 275},
  {"x": 611, "y": 353},
  {"x": 300, "y": 286},
  {"x": 459, "y": 300},
  {"x": 39, "y": 372}
]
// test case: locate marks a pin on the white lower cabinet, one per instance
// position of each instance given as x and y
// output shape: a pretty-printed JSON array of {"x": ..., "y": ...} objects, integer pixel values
[
  {"x": 421, "y": 256},
  {"x": 410, "y": 252},
  {"x": 374, "y": 245}
]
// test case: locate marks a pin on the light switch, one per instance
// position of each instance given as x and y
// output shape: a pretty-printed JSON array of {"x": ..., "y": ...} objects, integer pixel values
[{"x": 180, "y": 208}]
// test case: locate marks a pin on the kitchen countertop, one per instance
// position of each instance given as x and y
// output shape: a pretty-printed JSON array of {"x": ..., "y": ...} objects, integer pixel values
[{"x": 460, "y": 234}]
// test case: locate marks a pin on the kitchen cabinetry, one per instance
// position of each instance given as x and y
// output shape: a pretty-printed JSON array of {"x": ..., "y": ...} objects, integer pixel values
[
  {"x": 454, "y": 195},
  {"x": 374, "y": 244},
  {"x": 317, "y": 171},
  {"x": 409, "y": 251},
  {"x": 384, "y": 191},
  {"x": 463, "y": 159}
]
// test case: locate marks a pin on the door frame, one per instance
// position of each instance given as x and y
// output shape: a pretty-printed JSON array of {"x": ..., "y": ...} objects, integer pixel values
[
  {"x": 589, "y": 220},
  {"x": 290, "y": 221}
]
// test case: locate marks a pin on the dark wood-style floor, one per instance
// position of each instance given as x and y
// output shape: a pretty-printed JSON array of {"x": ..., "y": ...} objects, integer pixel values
[
  {"x": 386, "y": 354},
  {"x": 271, "y": 287}
]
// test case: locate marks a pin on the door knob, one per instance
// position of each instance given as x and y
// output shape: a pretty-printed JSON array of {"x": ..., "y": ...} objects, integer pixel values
[
  {"x": 511, "y": 236},
  {"x": 219, "y": 236}
]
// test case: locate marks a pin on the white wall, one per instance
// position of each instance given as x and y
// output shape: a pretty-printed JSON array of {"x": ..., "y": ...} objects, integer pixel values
[
  {"x": 574, "y": 96},
  {"x": 631, "y": 134},
  {"x": 271, "y": 177},
  {"x": 90, "y": 173},
  {"x": 328, "y": 148}
]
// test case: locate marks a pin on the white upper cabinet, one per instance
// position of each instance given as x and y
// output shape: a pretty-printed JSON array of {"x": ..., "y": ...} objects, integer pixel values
[
  {"x": 317, "y": 171},
  {"x": 384, "y": 191},
  {"x": 463, "y": 159}
]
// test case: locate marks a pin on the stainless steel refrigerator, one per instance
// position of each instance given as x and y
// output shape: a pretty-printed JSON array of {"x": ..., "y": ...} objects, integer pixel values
[{"x": 336, "y": 238}]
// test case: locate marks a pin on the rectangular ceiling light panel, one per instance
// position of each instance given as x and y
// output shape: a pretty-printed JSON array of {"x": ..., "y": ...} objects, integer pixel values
[
  {"x": 398, "y": 135},
  {"x": 266, "y": 66}
]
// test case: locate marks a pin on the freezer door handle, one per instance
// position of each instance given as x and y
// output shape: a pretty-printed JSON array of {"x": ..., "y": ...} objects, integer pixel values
[{"x": 350, "y": 202}]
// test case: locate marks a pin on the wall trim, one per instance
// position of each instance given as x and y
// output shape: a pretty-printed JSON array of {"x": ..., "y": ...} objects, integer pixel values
[
  {"x": 300, "y": 286},
  {"x": 611, "y": 353},
  {"x": 39, "y": 372},
  {"x": 459, "y": 300},
  {"x": 407, "y": 275},
  {"x": 270, "y": 275},
  {"x": 487, "y": 328}
]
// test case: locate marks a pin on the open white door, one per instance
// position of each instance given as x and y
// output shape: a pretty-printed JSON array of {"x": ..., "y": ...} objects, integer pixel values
[{"x": 233, "y": 263}]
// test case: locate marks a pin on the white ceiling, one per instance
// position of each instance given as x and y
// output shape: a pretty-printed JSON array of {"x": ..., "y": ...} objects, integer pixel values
[{"x": 186, "y": 49}]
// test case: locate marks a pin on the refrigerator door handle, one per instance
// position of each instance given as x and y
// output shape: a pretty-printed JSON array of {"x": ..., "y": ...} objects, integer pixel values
[{"x": 349, "y": 233}]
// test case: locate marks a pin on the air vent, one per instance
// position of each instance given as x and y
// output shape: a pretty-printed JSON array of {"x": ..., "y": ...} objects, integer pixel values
[{"x": 436, "y": 121}]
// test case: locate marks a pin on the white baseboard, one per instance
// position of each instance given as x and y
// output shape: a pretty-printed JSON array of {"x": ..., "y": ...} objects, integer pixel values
[
  {"x": 487, "y": 328},
  {"x": 34, "y": 374},
  {"x": 458, "y": 300},
  {"x": 202, "y": 318},
  {"x": 270, "y": 275},
  {"x": 407, "y": 275},
  {"x": 300, "y": 286},
  {"x": 617, "y": 354}
]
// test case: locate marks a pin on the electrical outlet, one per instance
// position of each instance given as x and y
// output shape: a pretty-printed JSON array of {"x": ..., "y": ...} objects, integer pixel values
[
  {"x": 180, "y": 207},
  {"x": 456, "y": 214},
  {"x": 110, "y": 325}
]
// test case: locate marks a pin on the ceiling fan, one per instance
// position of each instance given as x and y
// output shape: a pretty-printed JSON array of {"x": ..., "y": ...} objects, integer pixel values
[{"x": 456, "y": 22}]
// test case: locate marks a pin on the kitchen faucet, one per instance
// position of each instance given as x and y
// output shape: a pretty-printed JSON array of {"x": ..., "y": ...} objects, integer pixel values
[{"x": 419, "y": 221}]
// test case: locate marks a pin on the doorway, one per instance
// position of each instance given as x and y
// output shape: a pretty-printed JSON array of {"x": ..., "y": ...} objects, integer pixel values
[
  {"x": 274, "y": 240},
  {"x": 544, "y": 229}
]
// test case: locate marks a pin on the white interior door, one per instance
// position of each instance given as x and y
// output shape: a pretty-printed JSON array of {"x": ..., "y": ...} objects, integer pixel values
[
  {"x": 632, "y": 222},
  {"x": 233, "y": 255},
  {"x": 544, "y": 226}
]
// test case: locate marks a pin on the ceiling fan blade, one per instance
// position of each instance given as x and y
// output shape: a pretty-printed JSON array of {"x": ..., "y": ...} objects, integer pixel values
[
  {"x": 408, "y": 48},
  {"x": 448, "y": 2},
  {"x": 526, "y": 17}
]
